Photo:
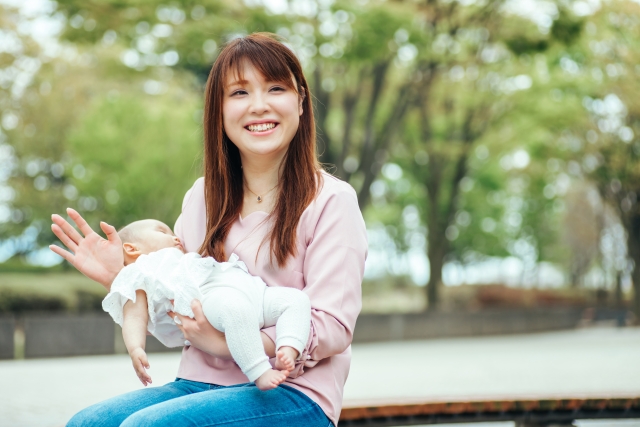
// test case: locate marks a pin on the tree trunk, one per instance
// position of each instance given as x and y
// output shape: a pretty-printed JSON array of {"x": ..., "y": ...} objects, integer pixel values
[
  {"x": 383, "y": 142},
  {"x": 619, "y": 298},
  {"x": 633, "y": 243},
  {"x": 349, "y": 103},
  {"x": 321, "y": 100},
  {"x": 436, "y": 239},
  {"x": 438, "y": 248},
  {"x": 368, "y": 151}
]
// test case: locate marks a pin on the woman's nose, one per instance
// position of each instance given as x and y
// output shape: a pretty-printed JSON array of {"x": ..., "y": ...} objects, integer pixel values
[{"x": 259, "y": 103}]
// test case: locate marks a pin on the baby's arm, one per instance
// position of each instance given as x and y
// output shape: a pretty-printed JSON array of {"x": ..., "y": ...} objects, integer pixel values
[{"x": 134, "y": 333}]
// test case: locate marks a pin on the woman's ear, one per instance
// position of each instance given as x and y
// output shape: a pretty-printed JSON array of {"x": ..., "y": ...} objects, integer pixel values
[{"x": 301, "y": 98}]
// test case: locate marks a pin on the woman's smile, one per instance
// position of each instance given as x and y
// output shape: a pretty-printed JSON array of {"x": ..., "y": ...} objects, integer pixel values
[{"x": 261, "y": 128}]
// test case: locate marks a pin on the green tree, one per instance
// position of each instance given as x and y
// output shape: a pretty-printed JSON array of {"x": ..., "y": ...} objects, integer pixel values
[
  {"x": 115, "y": 146},
  {"x": 609, "y": 145}
]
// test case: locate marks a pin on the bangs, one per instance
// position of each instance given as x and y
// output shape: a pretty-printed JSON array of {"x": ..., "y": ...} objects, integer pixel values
[{"x": 269, "y": 61}]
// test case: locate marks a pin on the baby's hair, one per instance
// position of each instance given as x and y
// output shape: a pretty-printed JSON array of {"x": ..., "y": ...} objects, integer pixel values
[{"x": 128, "y": 233}]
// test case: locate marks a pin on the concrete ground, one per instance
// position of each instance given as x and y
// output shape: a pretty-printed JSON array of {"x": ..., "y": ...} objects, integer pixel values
[{"x": 586, "y": 362}]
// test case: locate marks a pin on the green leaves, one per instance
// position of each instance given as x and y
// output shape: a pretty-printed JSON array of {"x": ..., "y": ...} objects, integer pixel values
[
  {"x": 566, "y": 28},
  {"x": 141, "y": 155}
]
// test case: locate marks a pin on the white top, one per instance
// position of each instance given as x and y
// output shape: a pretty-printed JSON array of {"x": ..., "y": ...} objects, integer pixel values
[{"x": 166, "y": 275}]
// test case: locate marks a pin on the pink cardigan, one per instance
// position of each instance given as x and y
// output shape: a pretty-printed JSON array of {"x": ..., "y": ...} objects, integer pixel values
[{"x": 332, "y": 247}]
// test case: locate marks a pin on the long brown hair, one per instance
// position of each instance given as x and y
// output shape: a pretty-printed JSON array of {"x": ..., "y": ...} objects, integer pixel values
[{"x": 223, "y": 181}]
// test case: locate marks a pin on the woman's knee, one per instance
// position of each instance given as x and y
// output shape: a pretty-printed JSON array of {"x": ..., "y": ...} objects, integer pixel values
[
  {"x": 158, "y": 416},
  {"x": 92, "y": 416},
  {"x": 136, "y": 420},
  {"x": 112, "y": 412}
]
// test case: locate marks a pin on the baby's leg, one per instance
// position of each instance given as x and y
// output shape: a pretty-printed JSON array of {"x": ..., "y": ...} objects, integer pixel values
[
  {"x": 231, "y": 312},
  {"x": 290, "y": 310}
]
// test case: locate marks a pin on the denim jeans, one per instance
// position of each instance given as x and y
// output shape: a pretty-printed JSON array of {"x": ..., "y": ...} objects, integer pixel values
[{"x": 190, "y": 403}]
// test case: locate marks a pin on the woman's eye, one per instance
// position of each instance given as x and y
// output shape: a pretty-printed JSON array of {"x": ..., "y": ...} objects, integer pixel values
[
  {"x": 239, "y": 92},
  {"x": 278, "y": 89}
]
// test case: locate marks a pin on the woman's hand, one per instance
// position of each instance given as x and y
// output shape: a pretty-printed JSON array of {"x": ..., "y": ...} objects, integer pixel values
[
  {"x": 201, "y": 334},
  {"x": 98, "y": 259}
]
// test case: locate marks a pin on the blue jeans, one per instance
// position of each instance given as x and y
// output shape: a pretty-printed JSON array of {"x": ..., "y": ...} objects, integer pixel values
[{"x": 190, "y": 403}]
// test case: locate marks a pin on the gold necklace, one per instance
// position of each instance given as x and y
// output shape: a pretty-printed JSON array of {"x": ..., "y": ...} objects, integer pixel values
[{"x": 259, "y": 198}]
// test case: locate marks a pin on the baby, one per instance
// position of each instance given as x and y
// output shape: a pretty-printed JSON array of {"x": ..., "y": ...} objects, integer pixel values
[{"x": 159, "y": 276}]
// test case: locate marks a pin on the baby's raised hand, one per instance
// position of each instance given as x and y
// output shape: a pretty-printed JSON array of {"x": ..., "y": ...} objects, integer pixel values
[{"x": 140, "y": 365}]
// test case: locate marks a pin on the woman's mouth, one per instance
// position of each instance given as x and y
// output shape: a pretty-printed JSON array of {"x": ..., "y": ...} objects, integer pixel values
[{"x": 261, "y": 127}]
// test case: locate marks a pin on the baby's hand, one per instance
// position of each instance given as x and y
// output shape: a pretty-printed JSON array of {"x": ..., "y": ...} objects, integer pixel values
[{"x": 140, "y": 365}]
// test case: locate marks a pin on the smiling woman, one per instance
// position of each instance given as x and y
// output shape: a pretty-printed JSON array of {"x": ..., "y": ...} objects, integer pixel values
[
  {"x": 264, "y": 198},
  {"x": 258, "y": 83}
]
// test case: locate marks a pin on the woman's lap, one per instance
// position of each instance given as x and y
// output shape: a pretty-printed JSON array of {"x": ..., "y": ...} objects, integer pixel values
[{"x": 188, "y": 403}]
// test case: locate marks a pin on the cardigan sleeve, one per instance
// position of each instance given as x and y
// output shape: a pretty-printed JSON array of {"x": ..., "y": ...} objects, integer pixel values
[{"x": 333, "y": 271}]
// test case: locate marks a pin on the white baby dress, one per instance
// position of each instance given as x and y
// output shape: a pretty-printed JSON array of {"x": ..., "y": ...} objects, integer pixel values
[{"x": 165, "y": 275}]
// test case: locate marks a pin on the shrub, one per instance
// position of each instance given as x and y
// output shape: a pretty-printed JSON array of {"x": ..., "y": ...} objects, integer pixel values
[
  {"x": 88, "y": 301},
  {"x": 19, "y": 302}
]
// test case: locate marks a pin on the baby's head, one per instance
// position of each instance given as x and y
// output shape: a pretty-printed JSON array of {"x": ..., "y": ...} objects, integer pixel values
[{"x": 146, "y": 236}]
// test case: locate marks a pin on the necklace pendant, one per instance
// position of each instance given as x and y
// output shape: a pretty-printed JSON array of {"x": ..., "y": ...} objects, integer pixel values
[{"x": 259, "y": 199}]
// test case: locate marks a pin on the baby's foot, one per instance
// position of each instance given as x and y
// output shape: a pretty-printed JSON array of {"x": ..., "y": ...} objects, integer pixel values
[
  {"x": 271, "y": 379},
  {"x": 285, "y": 358}
]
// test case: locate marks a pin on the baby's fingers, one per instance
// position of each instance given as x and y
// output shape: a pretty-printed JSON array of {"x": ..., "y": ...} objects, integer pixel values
[
  {"x": 144, "y": 361},
  {"x": 145, "y": 378},
  {"x": 140, "y": 365}
]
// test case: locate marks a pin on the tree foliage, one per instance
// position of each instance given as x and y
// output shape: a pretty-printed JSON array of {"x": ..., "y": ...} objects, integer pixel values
[{"x": 467, "y": 128}]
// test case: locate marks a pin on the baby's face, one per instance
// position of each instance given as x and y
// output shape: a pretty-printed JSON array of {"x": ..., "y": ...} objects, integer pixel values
[{"x": 154, "y": 235}]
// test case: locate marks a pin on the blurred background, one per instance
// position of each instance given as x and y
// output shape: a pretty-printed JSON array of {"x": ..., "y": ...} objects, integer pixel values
[{"x": 493, "y": 144}]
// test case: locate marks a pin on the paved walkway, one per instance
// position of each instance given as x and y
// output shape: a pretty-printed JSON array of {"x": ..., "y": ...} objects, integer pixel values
[{"x": 589, "y": 362}]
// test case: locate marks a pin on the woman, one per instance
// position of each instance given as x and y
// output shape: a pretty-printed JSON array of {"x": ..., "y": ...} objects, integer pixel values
[{"x": 265, "y": 198}]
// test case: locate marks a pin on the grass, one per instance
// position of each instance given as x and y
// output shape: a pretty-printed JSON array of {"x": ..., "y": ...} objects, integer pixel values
[
  {"x": 388, "y": 295},
  {"x": 69, "y": 286}
]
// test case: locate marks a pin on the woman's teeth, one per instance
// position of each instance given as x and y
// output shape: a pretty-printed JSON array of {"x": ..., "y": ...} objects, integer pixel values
[{"x": 261, "y": 127}]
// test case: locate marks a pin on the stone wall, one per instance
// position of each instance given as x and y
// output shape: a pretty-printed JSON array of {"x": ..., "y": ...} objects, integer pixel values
[
  {"x": 415, "y": 326},
  {"x": 7, "y": 328},
  {"x": 58, "y": 335}
]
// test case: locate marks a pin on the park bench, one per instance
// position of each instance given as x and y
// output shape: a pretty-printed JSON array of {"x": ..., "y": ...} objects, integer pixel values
[{"x": 530, "y": 412}]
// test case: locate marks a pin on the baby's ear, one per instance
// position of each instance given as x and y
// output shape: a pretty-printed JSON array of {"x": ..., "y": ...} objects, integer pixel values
[
  {"x": 130, "y": 248},
  {"x": 131, "y": 253}
]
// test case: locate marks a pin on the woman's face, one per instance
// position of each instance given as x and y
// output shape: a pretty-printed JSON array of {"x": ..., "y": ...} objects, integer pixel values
[{"x": 260, "y": 117}]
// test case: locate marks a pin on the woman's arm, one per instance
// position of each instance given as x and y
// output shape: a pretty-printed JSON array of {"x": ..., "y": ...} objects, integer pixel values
[
  {"x": 205, "y": 337},
  {"x": 333, "y": 270},
  {"x": 98, "y": 259}
]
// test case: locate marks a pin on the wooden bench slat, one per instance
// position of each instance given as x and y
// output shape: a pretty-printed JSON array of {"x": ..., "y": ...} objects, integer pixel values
[{"x": 486, "y": 406}]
